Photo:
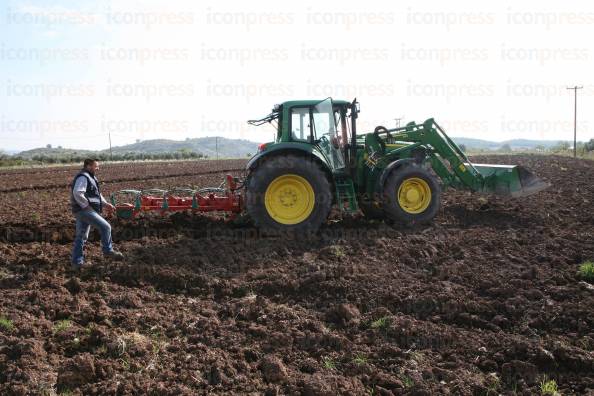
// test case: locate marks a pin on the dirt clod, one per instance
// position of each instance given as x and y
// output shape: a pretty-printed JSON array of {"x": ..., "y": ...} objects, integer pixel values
[
  {"x": 343, "y": 314},
  {"x": 73, "y": 285},
  {"x": 77, "y": 371},
  {"x": 518, "y": 370},
  {"x": 273, "y": 369}
]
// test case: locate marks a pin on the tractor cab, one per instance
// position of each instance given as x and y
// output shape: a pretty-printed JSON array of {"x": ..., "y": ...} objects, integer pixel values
[{"x": 318, "y": 127}]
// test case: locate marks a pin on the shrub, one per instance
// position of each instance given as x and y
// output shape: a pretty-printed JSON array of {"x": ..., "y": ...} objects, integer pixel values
[
  {"x": 548, "y": 387},
  {"x": 6, "y": 323},
  {"x": 61, "y": 325},
  {"x": 587, "y": 271},
  {"x": 380, "y": 323}
]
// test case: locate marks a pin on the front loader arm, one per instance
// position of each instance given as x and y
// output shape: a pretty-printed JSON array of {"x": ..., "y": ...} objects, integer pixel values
[
  {"x": 453, "y": 166},
  {"x": 447, "y": 159}
]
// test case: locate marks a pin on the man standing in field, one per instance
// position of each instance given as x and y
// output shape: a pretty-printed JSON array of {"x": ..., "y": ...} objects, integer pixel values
[{"x": 87, "y": 203}]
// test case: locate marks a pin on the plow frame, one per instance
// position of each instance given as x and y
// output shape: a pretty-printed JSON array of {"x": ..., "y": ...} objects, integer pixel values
[{"x": 179, "y": 199}]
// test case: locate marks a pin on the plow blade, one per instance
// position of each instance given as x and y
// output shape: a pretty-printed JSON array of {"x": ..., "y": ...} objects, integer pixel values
[{"x": 511, "y": 180}]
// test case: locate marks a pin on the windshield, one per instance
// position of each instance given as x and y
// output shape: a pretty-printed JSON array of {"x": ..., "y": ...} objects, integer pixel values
[{"x": 324, "y": 123}]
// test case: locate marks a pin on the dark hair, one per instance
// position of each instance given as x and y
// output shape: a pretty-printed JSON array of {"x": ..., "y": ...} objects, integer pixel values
[{"x": 89, "y": 161}]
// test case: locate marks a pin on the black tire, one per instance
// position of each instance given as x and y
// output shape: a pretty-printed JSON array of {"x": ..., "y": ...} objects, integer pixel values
[
  {"x": 272, "y": 168},
  {"x": 391, "y": 205}
]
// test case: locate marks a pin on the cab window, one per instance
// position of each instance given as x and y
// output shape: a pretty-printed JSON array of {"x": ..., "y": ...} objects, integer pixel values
[{"x": 300, "y": 125}]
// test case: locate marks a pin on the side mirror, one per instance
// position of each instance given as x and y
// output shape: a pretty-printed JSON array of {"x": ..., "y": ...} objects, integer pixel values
[{"x": 355, "y": 107}]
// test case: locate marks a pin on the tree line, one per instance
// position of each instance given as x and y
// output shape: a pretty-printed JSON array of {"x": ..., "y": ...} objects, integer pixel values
[
  {"x": 582, "y": 148},
  {"x": 68, "y": 158}
]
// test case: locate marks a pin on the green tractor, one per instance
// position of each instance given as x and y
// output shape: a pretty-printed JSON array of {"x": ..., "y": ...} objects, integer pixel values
[{"x": 318, "y": 160}]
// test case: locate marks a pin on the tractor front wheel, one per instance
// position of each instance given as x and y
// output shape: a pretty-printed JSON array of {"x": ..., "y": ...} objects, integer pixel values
[
  {"x": 288, "y": 193},
  {"x": 411, "y": 195}
]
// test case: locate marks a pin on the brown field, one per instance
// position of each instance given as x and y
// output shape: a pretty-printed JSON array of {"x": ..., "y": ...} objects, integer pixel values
[
  {"x": 38, "y": 198},
  {"x": 487, "y": 300}
]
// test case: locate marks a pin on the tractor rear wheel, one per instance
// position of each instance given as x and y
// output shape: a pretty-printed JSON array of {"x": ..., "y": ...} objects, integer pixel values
[
  {"x": 411, "y": 195},
  {"x": 288, "y": 193}
]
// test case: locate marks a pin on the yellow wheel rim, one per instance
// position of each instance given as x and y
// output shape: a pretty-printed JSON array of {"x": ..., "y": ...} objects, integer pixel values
[
  {"x": 289, "y": 199},
  {"x": 414, "y": 195}
]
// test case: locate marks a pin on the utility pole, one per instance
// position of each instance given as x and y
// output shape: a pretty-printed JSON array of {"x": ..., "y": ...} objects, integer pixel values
[
  {"x": 217, "y": 146},
  {"x": 110, "y": 153},
  {"x": 575, "y": 88},
  {"x": 398, "y": 121}
]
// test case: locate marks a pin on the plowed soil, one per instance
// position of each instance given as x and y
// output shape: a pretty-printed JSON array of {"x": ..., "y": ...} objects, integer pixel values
[{"x": 486, "y": 300}]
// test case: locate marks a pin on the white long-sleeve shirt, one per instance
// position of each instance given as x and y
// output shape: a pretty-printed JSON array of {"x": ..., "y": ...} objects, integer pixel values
[{"x": 79, "y": 190}]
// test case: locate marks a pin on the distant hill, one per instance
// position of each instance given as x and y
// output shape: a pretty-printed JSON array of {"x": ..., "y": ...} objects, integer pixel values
[
  {"x": 239, "y": 148},
  {"x": 476, "y": 143},
  {"x": 530, "y": 144},
  {"x": 9, "y": 152},
  {"x": 58, "y": 152},
  {"x": 230, "y": 148},
  {"x": 206, "y": 146},
  {"x": 515, "y": 144}
]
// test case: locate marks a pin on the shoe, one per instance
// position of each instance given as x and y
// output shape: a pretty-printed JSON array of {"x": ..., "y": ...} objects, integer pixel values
[{"x": 114, "y": 255}]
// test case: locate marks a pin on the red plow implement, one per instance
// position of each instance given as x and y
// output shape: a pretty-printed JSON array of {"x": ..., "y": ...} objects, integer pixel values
[{"x": 130, "y": 203}]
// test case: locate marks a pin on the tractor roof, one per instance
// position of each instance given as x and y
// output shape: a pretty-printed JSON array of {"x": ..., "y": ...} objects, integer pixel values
[{"x": 312, "y": 102}]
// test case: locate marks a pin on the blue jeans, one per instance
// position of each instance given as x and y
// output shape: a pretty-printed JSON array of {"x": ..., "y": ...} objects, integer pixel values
[{"x": 84, "y": 220}]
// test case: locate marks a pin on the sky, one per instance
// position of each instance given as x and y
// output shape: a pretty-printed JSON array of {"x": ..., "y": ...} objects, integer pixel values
[{"x": 73, "y": 72}]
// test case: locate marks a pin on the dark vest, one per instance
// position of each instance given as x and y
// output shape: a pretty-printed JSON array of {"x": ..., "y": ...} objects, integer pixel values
[{"x": 93, "y": 194}]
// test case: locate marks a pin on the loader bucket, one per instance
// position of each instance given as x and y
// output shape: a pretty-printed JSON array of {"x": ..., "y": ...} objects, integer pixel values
[{"x": 510, "y": 180}]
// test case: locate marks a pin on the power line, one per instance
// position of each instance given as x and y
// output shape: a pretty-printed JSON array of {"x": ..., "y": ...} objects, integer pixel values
[{"x": 575, "y": 88}]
